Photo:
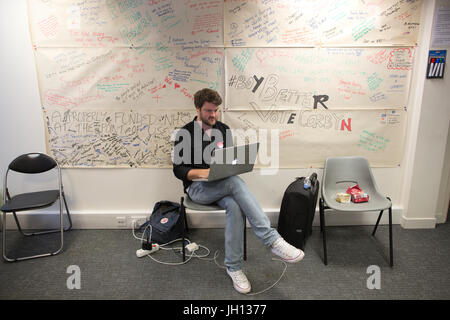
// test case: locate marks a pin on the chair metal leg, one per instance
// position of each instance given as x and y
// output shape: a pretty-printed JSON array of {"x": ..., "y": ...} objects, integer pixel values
[
  {"x": 323, "y": 229},
  {"x": 4, "y": 238},
  {"x": 320, "y": 211},
  {"x": 378, "y": 221},
  {"x": 391, "y": 248},
  {"x": 184, "y": 216},
  {"x": 185, "y": 229},
  {"x": 61, "y": 230},
  {"x": 245, "y": 239},
  {"x": 18, "y": 225},
  {"x": 68, "y": 213}
]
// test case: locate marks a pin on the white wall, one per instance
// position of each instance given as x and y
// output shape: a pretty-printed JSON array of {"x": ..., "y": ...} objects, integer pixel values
[
  {"x": 97, "y": 196},
  {"x": 21, "y": 117},
  {"x": 425, "y": 182}
]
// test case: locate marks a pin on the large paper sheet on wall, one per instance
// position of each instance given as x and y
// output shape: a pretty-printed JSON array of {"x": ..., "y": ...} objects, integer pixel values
[
  {"x": 161, "y": 78},
  {"x": 286, "y": 78},
  {"x": 299, "y": 140},
  {"x": 118, "y": 138},
  {"x": 126, "y": 23},
  {"x": 274, "y": 23}
]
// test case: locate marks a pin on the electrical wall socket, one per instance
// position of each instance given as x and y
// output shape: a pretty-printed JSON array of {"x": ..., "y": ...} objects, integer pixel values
[
  {"x": 121, "y": 222},
  {"x": 137, "y": 220}
]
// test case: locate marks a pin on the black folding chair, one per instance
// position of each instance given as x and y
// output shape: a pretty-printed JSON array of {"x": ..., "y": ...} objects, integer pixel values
[{"x": 33, "y": 163}]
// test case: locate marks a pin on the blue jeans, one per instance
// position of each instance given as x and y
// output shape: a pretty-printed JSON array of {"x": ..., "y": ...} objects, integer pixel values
[{"x": 235, "y": 198}]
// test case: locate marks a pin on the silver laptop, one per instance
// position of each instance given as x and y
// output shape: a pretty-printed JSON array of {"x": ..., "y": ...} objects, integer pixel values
[{"x": 232, "y": 161}]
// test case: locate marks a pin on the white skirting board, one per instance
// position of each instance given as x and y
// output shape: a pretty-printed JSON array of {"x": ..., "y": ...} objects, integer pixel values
[{"x": 123, "y": 220}]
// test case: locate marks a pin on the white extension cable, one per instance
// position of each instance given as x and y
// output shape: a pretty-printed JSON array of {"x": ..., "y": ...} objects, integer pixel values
[
  {"x": 259, "y": 292},
  {"x": 191, "y": 247}
]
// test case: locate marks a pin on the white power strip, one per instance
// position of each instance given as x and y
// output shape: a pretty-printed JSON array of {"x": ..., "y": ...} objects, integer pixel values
[
  {"x": 192, "y": 247},
  {"x": 141, "y": 252}
]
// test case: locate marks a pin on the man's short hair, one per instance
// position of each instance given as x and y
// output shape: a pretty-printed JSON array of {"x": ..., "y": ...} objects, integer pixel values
[{"x": 206, "y": 95}]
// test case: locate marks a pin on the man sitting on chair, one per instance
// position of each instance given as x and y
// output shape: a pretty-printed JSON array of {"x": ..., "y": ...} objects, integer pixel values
[{"x": 194, "y": 144}]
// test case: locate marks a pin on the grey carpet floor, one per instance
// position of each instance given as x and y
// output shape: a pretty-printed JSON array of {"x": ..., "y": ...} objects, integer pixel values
[{"x": 109, "y": 268}]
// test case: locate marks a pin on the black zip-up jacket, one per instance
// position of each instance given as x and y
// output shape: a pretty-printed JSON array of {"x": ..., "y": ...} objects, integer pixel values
[{"x": 193, "y": 139}]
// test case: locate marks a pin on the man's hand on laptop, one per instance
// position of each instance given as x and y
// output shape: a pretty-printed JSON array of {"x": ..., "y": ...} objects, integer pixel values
[{"x": 198, "y": 174}]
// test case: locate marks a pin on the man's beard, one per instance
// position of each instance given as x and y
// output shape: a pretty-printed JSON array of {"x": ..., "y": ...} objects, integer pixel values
[{"x": 207, "y": 121}]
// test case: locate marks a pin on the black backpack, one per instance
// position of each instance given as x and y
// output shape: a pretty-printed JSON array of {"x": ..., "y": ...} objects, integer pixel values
[{"x": 166, "y": 223}]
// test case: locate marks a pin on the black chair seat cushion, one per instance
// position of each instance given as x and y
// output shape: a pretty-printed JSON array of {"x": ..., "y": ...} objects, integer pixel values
[{"x": 31, "y": 200}]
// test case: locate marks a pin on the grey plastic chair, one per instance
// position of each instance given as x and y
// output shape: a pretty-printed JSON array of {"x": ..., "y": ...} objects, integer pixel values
[
  {"x": 341, "y": 173},
  {"x": 33, "y": 163},
  {"x": 187, "y": 203}
]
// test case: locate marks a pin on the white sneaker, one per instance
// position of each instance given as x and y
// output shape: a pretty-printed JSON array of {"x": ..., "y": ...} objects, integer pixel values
[
  {"x": 286, "y": 251},
  {"x": 240, "y": 281}
]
